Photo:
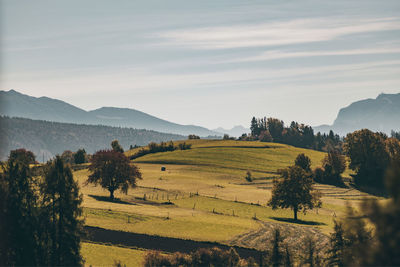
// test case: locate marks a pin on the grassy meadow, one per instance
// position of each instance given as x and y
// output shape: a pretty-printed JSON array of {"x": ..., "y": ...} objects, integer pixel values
[
  {"x": 203, "y": 195},
  {"x": 105, "y": 255}
]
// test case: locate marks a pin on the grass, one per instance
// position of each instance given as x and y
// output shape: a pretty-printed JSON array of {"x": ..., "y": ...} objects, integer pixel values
[
  {"x": 199, "y": 226},
  {"x": 209, "y": 198},
  {"x": 235, "y": 155},
  {"x": 105, "y": 255}
]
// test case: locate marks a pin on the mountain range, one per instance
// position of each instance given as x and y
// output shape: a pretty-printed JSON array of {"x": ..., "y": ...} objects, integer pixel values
[
  {"x": 380, "y": 114},
  {"x": 15, "y": 104},
  {"x": 236, "y": 131}
]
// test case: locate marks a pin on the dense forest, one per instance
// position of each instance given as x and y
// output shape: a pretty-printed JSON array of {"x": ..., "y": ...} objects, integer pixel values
[{"x": 46, "y": 139}]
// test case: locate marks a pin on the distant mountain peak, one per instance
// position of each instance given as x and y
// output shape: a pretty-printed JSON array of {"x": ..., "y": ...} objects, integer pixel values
[
  {"x": 235, "y": 131},
  {"x": 15, "y": 104},
  {"x": 379, "y": 114}
]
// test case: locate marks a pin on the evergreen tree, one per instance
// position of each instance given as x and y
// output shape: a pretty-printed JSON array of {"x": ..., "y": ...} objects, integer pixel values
[
  {"x": 18, "y": 210},
  {"x": 287, "y": 261},
  {"x": 254, "y": 127},
  {"x": 276, "y": 258},
  {"x": 275, "y": 128},
  {"x": 310, "y": 253},
  {"x": 80, "y": 156},
  {"x": 62, "y": 208},
  {"x": 337, "y": 246}
]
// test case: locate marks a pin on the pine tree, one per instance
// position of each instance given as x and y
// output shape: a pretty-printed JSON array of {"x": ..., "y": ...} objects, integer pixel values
[
  {"x": 80, "y": 156},
  {"x": 18, "y": 223},
  {"x": 254, "y": 127},
  {"x": 310, "y": 256},
  {"x": 62, "y": 208},
  {"x": 276, "y": 257},
  {"x": 337, "y": 243},
  {"x": 288, "y": 257}
]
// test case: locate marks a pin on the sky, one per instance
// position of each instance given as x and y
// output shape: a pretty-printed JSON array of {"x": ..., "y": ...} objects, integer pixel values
[{"x": 208, "y": 63}]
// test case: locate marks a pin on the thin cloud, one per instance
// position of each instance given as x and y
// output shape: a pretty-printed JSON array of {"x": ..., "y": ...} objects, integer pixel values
[
  {"x": 279, "y": 54},
  {"x": 275, "y": 33},
  {"x": 144, "y": 81}
]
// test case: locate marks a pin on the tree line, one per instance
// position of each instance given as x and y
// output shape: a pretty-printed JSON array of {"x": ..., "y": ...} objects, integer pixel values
[
  {"x": 352, "y": 235},
  {"x": 299, "y": 135},
  {"x": 162, "y": 147}
]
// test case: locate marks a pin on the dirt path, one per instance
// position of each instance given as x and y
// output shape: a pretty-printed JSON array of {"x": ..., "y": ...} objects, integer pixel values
[{"x": 293, "y": 235}]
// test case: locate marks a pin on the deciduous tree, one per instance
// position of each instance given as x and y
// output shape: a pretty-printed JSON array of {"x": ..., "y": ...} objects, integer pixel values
[
  {"x": 113, "y": 171},
  {"x": 303, "y": 162},
  {"x": 116, "y": 146},
  {"x": 368, "y": 157},
  {"x": 294, "y": 190}
]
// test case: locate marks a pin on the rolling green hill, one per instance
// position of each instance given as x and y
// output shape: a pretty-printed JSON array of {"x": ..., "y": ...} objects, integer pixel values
[
  {"x": 234, "y": 155},
  {"x": 203, "y": 195}
]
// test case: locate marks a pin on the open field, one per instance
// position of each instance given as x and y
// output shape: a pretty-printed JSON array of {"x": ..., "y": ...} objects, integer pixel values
[
  {"x": 106, "y": 255},
  {"x": 204, "y": 196}
]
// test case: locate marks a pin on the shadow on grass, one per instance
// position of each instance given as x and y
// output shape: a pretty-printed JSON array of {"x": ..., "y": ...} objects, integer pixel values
[
  {"x": 107, "y": 199},
  {"x": 290, "y": 220}
]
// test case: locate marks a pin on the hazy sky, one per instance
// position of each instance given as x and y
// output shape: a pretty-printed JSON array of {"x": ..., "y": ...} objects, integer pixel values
[{"x": 210, "y": 63}]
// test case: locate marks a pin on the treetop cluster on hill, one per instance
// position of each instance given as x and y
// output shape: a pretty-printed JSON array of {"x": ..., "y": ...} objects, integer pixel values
[
  {"x": 162, "y": 147},
  {"x": 299, "y": 135}
]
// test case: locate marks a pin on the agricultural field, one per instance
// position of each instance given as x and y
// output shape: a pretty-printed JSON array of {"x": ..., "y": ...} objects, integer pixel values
[{"x": 203, "y": 195}]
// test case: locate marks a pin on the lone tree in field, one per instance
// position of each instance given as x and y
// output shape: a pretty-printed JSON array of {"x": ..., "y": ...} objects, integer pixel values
[
  {"x": 113, "y": 171},
  {"x": 294, "y": 191}
]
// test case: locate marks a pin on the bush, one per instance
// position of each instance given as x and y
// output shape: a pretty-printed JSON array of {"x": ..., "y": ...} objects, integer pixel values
[
  {"x": 318, "y": 175},
  {"x": 193, "y": 136},
  {"x": 80, "y": 156},
  {"x": 162, "y": 147},
  {"x": 227, "y": 137},
  {"x": 248, "y": 177},
  {"x": 201, "y": 257},
  {"x": 265, "y": 136}
]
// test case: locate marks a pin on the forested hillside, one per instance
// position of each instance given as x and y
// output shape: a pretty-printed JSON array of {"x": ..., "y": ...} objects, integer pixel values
[
  {"x": 15, "y": 104},
  {"x": 50, "y": 138}
]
